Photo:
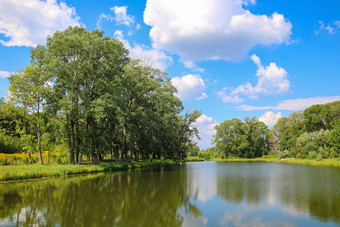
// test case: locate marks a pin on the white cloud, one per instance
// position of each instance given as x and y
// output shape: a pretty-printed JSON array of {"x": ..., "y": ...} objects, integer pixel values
[
  {"x": 270, "y": 118},
  {"x": 4, "y": 74},
  {"x": 272, "y": 80},
  {"x": 156, "y": 58},
  {"x": 138, "y": 27},
  {"x": 330, "y": 28},
  {"x": 206, "y": 128},
  {"x": 102, "y": 17},
  {"x": 293, "y": 104},
  {"x": 193, "y": 66},
  {"x": 190, "y": 87},
  {"x": 204, "y": 119},
  {"x": 212, "y": 29},
  {"x": 228, "y": 98},
  {"x": 121, "y": 16},
  {"x": 29, "y": 22}
]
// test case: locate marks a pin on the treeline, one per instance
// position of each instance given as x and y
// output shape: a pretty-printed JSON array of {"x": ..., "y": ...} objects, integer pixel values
[
  {"x": 81, "y": 94},
  {"x": 236, "y": 138},
  {"x": 313, "y": 133}
]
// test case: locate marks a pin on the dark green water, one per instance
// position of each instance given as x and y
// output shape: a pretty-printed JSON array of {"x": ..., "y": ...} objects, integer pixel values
[{"x": 193, "y": 194}]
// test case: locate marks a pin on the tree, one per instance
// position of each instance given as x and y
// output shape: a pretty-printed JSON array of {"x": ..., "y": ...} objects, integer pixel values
[
  {"x": 246, "y": 139},
  {"x": 83, "y": 65},
  {"x": 319, "y": 117},
  {"x": 32, "y": 82}
]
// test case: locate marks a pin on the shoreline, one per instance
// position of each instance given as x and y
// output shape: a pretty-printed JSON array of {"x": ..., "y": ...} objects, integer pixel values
[
  {"x": 15, "y": 173},
  {"x": 335, "y": 162}
]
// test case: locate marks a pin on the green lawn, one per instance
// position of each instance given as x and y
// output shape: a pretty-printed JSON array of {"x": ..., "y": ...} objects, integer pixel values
[{"x": 20, "y": 172}]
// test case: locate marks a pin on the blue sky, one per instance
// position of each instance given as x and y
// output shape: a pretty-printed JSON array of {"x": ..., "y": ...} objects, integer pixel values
[{"x": 228, "y": 58}]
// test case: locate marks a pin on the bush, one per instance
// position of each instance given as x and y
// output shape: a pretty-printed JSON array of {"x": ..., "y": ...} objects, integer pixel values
[
  {"x": 205, "y": 155},
  {"x": 284, "y": 154},
  {"x": 9, "y": 144},
  {"x": 319, "y": 157},
  {"x": 312, "y": 155}
]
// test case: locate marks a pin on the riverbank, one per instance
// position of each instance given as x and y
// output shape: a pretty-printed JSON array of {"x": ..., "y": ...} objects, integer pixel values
[
  {"x": 335, "y": 162},
  {"x": 23, "y": 172}
]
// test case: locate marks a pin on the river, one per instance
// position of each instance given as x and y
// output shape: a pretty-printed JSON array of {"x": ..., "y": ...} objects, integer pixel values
[{"x": 192, "y": 194}]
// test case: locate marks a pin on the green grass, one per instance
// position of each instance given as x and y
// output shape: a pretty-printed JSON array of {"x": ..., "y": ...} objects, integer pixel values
[
  {"x": 335, "y": 162},
  {"x": 21, "y": 172},
  {"x": 193, "y": 159}
]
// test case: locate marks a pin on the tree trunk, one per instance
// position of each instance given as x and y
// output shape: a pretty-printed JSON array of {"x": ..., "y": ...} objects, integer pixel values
[
  {"x": 38, "y": 135},
  {"x": 136, "y": 156},
  {"x": 116, "y": 152},
  {"x": 28, "y": 153},
  {"x": 78, "y": 143},
  {"x": 80, "y": 158},
  {"x": 129, "y": 155},
  {"x": 93, "y": 153},
  {"x": 122, "y": 152},
  {"x": 72, "y": 143}
]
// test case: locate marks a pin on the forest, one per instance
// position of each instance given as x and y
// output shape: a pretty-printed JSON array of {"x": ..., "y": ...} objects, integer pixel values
[
  {"x": 310, "y": 134},
  {"x": 82, "y": 97}
]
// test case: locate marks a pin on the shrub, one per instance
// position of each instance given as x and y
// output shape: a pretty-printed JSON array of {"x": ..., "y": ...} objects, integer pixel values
[
  {"x": 312, "y": 155},
  {"x": 284, "y": 154},
  {"x": 319, "y": 157}
]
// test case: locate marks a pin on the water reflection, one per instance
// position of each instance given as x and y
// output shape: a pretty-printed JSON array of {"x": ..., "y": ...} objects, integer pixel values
[
  {"x": 309, "y": 195},
  {"x": 195, "y": 194},
  {"x": 149, "y": 198}
]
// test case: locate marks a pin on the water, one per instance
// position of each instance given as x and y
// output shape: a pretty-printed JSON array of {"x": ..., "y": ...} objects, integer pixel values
[{"x": 192, "y": 194}]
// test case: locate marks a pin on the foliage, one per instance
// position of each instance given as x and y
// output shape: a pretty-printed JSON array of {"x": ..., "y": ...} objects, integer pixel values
[
  {"x": 313, "y": 133},
  {"x": 83, "y": 93},
  {"x": 205, "y": 154},
  {"x": 245, "y": 139},
  {"x": 9, "y": 144}
]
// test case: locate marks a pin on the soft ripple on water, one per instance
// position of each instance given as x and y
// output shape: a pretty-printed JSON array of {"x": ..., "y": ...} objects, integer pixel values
[{"x": 192, "y": 194}]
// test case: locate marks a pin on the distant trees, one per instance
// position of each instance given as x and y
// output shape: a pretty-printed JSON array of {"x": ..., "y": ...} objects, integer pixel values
[
  {"x": 82, "y": 90},
  {"x": 244, "y": 139},
  {"x": 313, "y": 133}
]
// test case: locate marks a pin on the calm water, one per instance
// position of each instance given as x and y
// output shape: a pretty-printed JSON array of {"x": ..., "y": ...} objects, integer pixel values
[{"x": 193, "y": 194}]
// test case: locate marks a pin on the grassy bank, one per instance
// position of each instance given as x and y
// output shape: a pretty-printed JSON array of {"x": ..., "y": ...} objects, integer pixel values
[
  {"x": 20, "y": 172},
  {"x": 335, "y": 162}
]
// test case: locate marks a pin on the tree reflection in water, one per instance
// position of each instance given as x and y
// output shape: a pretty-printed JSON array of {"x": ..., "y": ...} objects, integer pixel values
[{"x": 195, "y": 194}]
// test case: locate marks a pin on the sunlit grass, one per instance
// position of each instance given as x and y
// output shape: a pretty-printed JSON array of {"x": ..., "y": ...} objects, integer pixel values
[
  {"x": 193, "y": 159},
  {"x": 20, "y": 172},
  {"x": 324, "y": 162}
]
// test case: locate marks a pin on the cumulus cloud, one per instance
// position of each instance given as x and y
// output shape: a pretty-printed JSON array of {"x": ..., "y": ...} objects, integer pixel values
[
  {"x": 272, "y": 80},
  {"x": 330, "y": 28},
  {"x": 206, "y": 128},
  {"x": 270, "y": 118},
  {"x": 29, "y": 22},
  {"x": 4, "y": 74},
  {"x": 193, "y": 66},
  {"x": 212, "y": 29},
  {"x": 121, "y": 16},
  {"x": 293, "y": 104},
  {"x": 103, "y": 17},
  {"x": 190, "y": 87},
  {"x": 228, "y": 98},
  {"x": 156, "y": 58}
]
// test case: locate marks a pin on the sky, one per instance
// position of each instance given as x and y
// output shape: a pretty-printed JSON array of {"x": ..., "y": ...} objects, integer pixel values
[{"x": 227, "y": 58}]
